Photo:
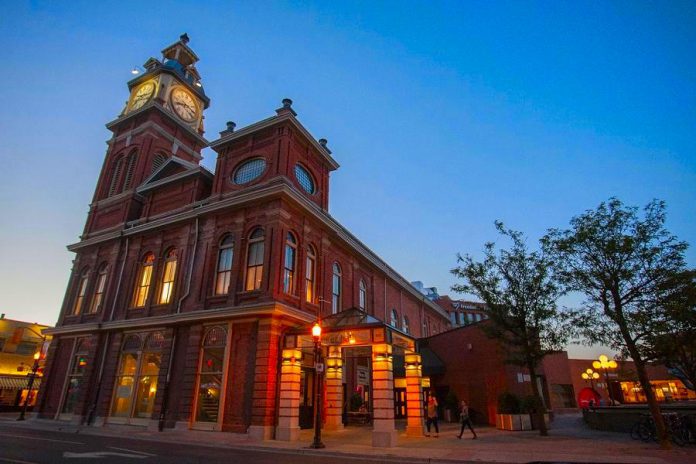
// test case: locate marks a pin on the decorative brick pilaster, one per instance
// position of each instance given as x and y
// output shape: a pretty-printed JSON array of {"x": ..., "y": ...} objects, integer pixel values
[
  {"x": 414, "y": 402},
  {"x": 265, "y": 379},
  {"x": 288, "y": 428},
  {"x": 334, "y": 389},
  {"x": 383, "y": 429}
]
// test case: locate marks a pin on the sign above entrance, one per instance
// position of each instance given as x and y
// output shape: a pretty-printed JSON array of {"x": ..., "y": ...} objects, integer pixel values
[{"x": 347, "y": 338}]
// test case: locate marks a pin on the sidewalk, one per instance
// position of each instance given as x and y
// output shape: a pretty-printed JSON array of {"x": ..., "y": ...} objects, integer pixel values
[{"x": 569, "y": 441}]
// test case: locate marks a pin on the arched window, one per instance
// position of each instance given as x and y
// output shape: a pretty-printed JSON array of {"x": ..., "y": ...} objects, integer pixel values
[
  {"x": 81, "y": 291},
  {"x": 130, "y": 168},
  {"x": 289, "y": 264},
  {"x": 336, "y": 289},
  {"x": 211, "y": 374},
  {"x": 142, "y": 285},
  {"x": 394, "y": 321},
  {"x": 99, "y": 288},
  {"x": 157, "y": 161},
  {"x": 310, "y": 268},
  {"x": 116, "y": 169},
  {"x": 254, "y": 270},
  {"x": 362, "y": 295},
  {"x": 168, "y": 276},
  {"x": 224, "y": 265},
  {"x": 406, "y": 326},
  {"x": 138, "y": 376}
]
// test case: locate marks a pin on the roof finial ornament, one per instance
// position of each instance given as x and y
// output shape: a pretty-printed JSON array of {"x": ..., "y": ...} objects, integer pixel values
[
  {"x": 231, "y": 125},
  {"x": 286, "y": 108},
  {"x": 287, "y": 103},
  {"x": 323, "y": 142},
  {"x": 184, "y": 38}
]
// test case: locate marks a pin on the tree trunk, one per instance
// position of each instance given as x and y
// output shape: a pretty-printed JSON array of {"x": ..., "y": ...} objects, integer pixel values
[
  {"x": 660, "y": 428},
  {"x": 539, "y": 412}
]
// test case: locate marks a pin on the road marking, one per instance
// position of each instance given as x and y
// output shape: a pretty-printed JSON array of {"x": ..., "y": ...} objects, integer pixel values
[
  {"x": 15, "y": 461},
  {"x": 101, "y": 454},
  {"x": 131, "y": 451},
  {"x": 44, "y": 439}
]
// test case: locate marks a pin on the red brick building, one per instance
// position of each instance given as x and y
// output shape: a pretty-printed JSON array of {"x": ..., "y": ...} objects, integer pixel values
[{"x": 185, "y": 281}]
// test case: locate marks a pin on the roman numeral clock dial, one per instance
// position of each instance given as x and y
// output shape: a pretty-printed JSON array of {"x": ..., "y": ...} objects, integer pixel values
[
  {"x": 142, "y": 95},
  {"x": 184, "y": 105}
]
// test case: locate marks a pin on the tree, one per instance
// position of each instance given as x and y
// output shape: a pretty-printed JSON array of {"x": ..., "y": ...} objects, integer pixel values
[
  {"x": 622, "y": 262},
  {"x": 674, "y": 343},
  {"x": 520, "y": 295}
]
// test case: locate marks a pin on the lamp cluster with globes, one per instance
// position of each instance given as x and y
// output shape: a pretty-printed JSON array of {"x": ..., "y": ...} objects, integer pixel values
[{"x": 606, "y": 364}]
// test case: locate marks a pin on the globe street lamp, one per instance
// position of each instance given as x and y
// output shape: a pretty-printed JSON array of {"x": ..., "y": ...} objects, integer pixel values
[
  {"x": 606, "y": 365},
  {"x": 318, "y": 385},
  {"x": 32, "y": 376},
  {"x": 590, "y": 375}
]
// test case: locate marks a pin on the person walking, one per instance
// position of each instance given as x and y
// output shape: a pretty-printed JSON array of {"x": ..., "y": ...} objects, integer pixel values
[
  {"x": 465, "y": 419},
  {"x": 432, "y": 416}
]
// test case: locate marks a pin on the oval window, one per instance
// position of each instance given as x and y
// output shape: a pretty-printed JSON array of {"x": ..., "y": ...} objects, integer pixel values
[
  {"x": 249, "y": 170},
  {"x": 304, "y": 178}
]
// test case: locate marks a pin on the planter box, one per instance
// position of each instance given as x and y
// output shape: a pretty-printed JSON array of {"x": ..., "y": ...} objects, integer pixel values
[{"x": 513, "y": 422}]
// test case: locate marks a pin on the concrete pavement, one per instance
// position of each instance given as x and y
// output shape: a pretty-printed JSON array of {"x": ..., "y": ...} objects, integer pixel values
[{"x": 569, "y": 441}]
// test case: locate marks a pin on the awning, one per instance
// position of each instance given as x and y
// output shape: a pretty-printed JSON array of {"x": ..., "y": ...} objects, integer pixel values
[{"x": 12, "y": 382}]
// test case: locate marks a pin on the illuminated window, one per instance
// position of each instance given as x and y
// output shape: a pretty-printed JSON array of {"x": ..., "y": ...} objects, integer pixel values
[
  {"x": 362, "y": 295},
  {"x": 211, "y": 374},
  {"x": 142, "y": 287},
  {"x": 168, "y": 276},
  {"x": 336, "y": 289},
  {"x": 310, "y": 269},
  {"x": 224, "y": 266},
  {"x": 249, "y": 170},
  {"x": 289, "y": 264},
  {"x": 254, "y": 270},
  {"x": 81, "y": 291},
  {"x": 99, "y": 288},
  {"x": 394, "y": 321},
  {"x": 406, "y": 324},
  {"x": 138, "y": 376}
]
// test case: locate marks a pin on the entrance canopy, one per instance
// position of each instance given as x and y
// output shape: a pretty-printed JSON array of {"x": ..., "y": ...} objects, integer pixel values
[{"x": 352, "y": 327}]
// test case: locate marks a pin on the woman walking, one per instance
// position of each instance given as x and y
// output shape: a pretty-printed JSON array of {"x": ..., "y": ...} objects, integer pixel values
[
  {"x": 465, "y": 420},
  {"x": 432, "y": 416}
]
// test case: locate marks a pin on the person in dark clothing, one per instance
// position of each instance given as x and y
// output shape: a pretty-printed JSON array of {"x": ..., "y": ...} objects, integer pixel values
[
  {"x": 432, "y": 416},
  {"x": 465, "y": 420}
]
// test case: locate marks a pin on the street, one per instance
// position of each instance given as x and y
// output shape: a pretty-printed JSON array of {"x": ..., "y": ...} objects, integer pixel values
[{"x": 21, "y": 445}]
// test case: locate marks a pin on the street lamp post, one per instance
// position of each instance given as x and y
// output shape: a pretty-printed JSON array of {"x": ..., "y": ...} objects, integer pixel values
[
  {"x": 590, "y": 375},
  {"x": 32, "y": 376},
  {"x": 319, "y": 374},
  {"x": 606, "y": 365}
]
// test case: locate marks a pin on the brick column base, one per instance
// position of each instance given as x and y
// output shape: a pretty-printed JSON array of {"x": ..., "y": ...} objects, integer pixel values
[
  {"x": 288, "y": 428},
  {"x": 334, "y": 389},
  {"x": 383, "y": 429},
  {"x": 414, "y": 404}
]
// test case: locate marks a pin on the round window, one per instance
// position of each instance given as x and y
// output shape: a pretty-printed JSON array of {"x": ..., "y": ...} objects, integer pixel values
[
  {"x": 304, "y": 178},
  {"x": 249, "y": 170}
]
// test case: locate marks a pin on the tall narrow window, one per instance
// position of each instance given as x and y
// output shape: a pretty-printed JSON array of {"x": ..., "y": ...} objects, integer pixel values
[
  {"x": 116, "y": 169},
  {"x": 126, "y": 375},
  {"x": 254, "y": 271},
  {"x": 99, "y": 288},
  {"x": 362, "y": 295},
  {"x": 224, "y": 266},
  {"x": 142, "y": 287},
  {"x": 407, "y": 327},
  {"x": 211, "y": 374},
  {"x": 336, "y": 289},
  {"x": 289, "y": 264},
  {"x": 81, "y": 291},
  {"x": 130, "y": 168},
  {"x": 75, "y": 374},
  {"x": 394, "y": 321},
  {"x": 168, "y": 276},
  {"x": 310, "y": 267}
]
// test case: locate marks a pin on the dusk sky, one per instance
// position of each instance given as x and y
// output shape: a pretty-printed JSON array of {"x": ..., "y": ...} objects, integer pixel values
[{"x": 444, "y": 116}]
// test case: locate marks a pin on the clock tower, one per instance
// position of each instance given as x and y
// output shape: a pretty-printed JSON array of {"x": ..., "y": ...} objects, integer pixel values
[{"x": 161, "y": 121}]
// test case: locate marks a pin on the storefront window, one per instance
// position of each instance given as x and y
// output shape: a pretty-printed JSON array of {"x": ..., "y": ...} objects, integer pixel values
[
  {"x": 211, "y": 374},
  {"x": 77, "y": 370}
]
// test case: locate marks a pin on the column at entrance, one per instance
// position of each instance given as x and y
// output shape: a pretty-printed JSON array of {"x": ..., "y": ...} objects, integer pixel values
[
  {"x": 414, "y": 396},
  {"x": 383, "y": 430},
  {"x": 334, "y": 389},
  {"x": 288, "y": 428}
]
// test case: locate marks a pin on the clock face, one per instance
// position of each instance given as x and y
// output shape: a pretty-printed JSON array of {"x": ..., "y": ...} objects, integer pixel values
[
  {"x": 184, "y": 105},
  {"x": 142, "y": 95}
]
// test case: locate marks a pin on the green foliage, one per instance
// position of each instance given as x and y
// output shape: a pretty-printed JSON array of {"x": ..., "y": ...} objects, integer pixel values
[
  {"x": 355, "y": 402},
  {"x": 531, "y": 404},
  {"x": 451, "y": 401},
  {"x": 508, "y": 403}
]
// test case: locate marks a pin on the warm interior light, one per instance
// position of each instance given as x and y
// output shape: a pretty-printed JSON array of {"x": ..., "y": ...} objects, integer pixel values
[
  {"x": 37, "y": 355},
  {"x": 316, "y": 330}
]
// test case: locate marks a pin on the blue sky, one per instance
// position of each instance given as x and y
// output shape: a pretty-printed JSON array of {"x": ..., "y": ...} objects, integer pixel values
[{"x": 445, "y": 116}]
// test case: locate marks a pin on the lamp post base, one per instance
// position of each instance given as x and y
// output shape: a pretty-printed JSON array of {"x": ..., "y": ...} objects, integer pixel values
[{"x": 317, "y": 444}]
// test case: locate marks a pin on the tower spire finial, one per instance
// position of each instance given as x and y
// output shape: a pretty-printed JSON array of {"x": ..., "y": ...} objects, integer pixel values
[{"x": 184, "y": 38}]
